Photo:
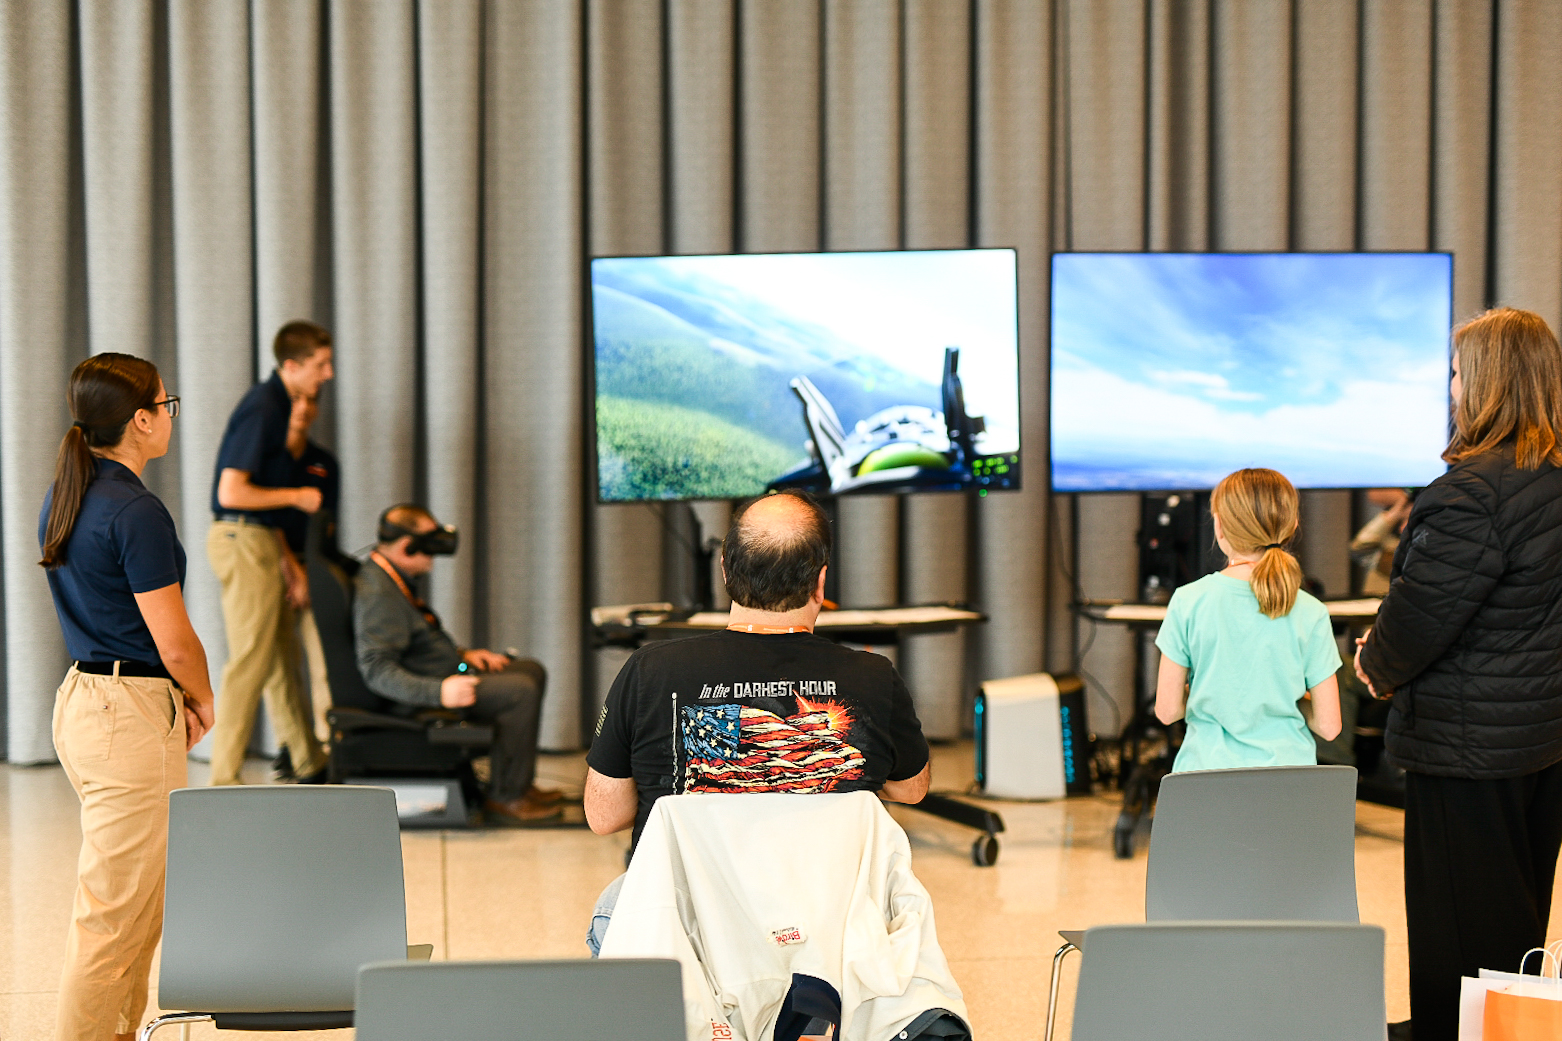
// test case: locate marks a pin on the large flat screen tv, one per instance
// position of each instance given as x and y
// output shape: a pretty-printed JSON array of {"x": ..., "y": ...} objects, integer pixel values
[
  {"x": 1170, "y": 370},
  {"x": 720, "y": 377}
]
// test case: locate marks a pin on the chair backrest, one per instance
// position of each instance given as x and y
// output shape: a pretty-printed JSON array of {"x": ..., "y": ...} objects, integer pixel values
[
  {"x": 1231, "y": 981},
  {"x": 1267, "y": 844},
  {"x": 504, "y": 1000},
  {"x": 276, "y": 895},
  {"x": 331, "y": 597}
]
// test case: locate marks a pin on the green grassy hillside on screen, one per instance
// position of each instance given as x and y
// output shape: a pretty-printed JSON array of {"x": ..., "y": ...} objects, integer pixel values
[{"x": 654, "y": 450}]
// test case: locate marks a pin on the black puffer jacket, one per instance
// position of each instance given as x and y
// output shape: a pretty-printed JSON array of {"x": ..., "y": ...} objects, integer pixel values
[{"x": 1470, "y": 634}]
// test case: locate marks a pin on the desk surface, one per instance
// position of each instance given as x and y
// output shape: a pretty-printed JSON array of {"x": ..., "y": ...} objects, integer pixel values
[
  {"x": 881, "y": 617},
  {"x": 928, "y": 617},
  {"x": 1363, "y": 608}
]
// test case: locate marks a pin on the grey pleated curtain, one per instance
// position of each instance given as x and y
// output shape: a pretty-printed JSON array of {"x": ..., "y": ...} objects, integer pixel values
[{"x": 428, "y": 178}]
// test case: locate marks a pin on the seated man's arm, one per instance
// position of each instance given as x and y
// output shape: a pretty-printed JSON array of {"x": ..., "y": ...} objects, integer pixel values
[
  {"x": 610, "y": 802},
  {"x": 612, "y": 798},
  {"x": 382, "y": 631},
  {"x": 912, "y": 790},
  {"x": 912, "y": 772}
]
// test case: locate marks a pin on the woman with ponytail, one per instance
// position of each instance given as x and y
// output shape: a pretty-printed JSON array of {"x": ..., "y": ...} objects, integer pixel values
[
  {"x": 1468, "y": 644},
  {"x": 138, "y": 696},
  {"x": 1241, "y": 648}
]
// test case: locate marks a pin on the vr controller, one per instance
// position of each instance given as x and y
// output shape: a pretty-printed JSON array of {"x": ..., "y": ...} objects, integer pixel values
[{"x": 439, "y": 542}]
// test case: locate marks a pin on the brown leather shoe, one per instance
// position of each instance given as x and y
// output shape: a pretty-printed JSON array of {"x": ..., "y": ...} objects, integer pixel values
[
  {"x": 520, "y": 811},
  {"x": 543, "y": 796}
]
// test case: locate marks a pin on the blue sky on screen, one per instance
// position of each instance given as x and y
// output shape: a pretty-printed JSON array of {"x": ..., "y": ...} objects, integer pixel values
[
  {"x": 1172, "y": 368},
  {"x": 902, "y": 307}
]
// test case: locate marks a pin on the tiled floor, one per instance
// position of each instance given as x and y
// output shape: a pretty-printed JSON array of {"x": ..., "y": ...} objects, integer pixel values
[{"x": 527, "y": 894}]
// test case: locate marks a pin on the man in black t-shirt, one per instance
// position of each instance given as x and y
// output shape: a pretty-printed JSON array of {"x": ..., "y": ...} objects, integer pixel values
[{"x": 762, "y": 706}]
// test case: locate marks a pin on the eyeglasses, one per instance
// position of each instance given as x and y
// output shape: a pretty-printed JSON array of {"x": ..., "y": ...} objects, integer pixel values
[{"x": 173, "y": 405}]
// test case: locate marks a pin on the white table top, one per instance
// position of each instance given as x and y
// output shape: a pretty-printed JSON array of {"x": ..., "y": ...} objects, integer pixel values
[{"x": 1367, "y": 607}]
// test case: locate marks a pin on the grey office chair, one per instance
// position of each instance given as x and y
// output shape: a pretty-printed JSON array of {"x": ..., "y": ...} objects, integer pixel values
[
  {"x": 1274, "y": 843},
  {"x": 1231, "y": 981},
  {"x": 522, "y": 1001},
  {"x": 275, "y": 896}
]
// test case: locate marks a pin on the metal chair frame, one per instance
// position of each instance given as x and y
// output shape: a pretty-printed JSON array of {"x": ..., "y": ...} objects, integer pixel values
[{"x": 1271, "y": 801}]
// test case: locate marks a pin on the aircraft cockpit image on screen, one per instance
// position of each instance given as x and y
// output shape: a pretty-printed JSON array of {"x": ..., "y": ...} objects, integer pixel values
[
  {"x": 899, "y": 447},
  {"x": 723, "y": 377}
]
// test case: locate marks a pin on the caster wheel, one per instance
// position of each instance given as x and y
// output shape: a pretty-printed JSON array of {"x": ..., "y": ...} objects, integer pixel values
[
  {"x": 984, "y": 851},
  {"x": 1123, "y": 841}
]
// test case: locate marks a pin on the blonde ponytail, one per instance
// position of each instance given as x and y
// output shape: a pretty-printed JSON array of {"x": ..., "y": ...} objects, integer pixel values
[
  {"x": 1259, "y": 510},
  {"x": 1277, "y": 577}
]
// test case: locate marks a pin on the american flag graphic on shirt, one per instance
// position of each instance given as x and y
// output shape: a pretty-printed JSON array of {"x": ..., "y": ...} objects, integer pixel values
[{"x": 739, "y": 748}]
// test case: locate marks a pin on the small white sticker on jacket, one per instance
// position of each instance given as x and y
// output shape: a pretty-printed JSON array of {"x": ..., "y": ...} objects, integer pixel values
[{"x": 786, "y": 937}]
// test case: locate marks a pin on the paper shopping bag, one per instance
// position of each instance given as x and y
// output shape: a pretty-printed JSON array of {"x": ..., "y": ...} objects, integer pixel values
[
  {"x": 1522, "y": 1017},
  {"x": 1472, "y": 1007}
]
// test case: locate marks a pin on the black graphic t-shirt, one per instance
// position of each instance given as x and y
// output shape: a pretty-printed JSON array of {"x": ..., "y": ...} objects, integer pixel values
[{"x": 745, "y": 712}]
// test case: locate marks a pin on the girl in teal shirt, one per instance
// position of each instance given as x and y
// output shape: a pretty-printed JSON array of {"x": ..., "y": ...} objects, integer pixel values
[{"x": 1247, "y": 644}]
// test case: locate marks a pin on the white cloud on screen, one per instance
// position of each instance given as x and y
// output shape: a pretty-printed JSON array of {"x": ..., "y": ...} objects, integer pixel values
[{"x": 1098, "y": 415}]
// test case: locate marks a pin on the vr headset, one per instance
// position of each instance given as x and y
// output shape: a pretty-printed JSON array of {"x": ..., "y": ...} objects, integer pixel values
[{"x": 440, "y": 542}]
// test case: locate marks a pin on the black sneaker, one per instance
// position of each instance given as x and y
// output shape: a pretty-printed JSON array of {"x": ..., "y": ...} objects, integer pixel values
[
  {"x": 282, "y": 766},
  {"x": 1399, "y": 1031}
]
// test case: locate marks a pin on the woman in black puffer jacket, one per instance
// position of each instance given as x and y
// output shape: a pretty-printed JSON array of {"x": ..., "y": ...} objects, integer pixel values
[{"x": 1468, "y": 644}]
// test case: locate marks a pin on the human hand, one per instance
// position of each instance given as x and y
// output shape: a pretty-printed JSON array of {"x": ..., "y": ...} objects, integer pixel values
[
  {"x": 1361, "y": 674},
  {"x": 307, "y": 499},
  {"x": 296, "y": 583},
  {"x": 458, "y": 691},
  {"x": 485, "y": 661},
  {"x": 199, "y": 717},
  {"x": 1399, "y": 513}
]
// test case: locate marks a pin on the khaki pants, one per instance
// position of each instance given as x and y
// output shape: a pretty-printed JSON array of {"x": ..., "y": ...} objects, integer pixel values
[
  {"x": 319, "y": 682},
  {"x": 262, "y": 652},
  {"x": 121, "y": 741}
]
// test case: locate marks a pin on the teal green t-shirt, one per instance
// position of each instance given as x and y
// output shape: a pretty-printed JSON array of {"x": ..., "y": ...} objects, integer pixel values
[{"x": 1246, "y": 671}]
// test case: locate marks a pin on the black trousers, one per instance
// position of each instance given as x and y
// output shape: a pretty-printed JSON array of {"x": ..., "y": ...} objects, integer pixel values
[
  {"x": 1480, "y": 860},
  {"x": 512, "y": 701}
]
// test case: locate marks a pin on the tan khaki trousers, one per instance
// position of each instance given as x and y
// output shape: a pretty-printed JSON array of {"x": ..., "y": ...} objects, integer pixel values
[
  {"x": 319, "y": 682},
  {"x": 262, "y": 652},
  {"x": 121, "y": 741}
]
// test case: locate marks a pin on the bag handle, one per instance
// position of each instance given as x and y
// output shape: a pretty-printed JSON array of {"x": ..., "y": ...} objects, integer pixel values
[{"x": 1551, "y": 953}]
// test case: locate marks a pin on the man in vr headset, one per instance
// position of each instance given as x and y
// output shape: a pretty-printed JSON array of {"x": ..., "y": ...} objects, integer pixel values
[{"x": 407, "y": 656}]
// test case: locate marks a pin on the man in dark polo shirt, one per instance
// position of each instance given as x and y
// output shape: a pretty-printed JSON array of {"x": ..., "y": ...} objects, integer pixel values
[{"x": 261, "y": 580}]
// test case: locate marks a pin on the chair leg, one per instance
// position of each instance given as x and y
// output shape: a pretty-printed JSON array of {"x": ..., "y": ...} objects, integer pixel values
[
  {"x": 1057, "y": 975},
  {"x": 172, "y": 1017}
]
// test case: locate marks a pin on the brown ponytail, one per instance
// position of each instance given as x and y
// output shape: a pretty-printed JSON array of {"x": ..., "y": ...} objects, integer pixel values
[
  {"x": 1259, "y": 510},
  {"x": 106, "y": 391}
]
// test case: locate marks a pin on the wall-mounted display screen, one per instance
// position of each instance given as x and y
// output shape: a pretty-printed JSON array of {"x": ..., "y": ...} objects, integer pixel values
[
  {"x": 1170, "y": 370},
  {"x": 720, "y": 377}
]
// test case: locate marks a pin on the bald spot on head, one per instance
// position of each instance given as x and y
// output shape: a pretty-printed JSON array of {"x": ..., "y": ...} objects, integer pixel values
[
  {"x": 775, "y": 522},
  {"x": 413, "y": 518},
  {"x": 774, "y": 551}
]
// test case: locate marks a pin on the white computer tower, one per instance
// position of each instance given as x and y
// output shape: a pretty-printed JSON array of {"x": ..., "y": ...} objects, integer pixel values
[{"x": 1030, "y": 737}]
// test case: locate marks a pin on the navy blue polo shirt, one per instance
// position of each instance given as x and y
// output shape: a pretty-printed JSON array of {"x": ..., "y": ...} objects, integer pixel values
[
  {"x": 256, "y": 442},
  {"x": 124, "y": 543},
  {"x": 316, "y": 468}
]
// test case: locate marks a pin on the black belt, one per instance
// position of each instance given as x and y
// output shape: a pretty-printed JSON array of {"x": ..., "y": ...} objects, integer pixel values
[
  {"x": 126, "y": 668},
  {"x": 240, "y": 518}
]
